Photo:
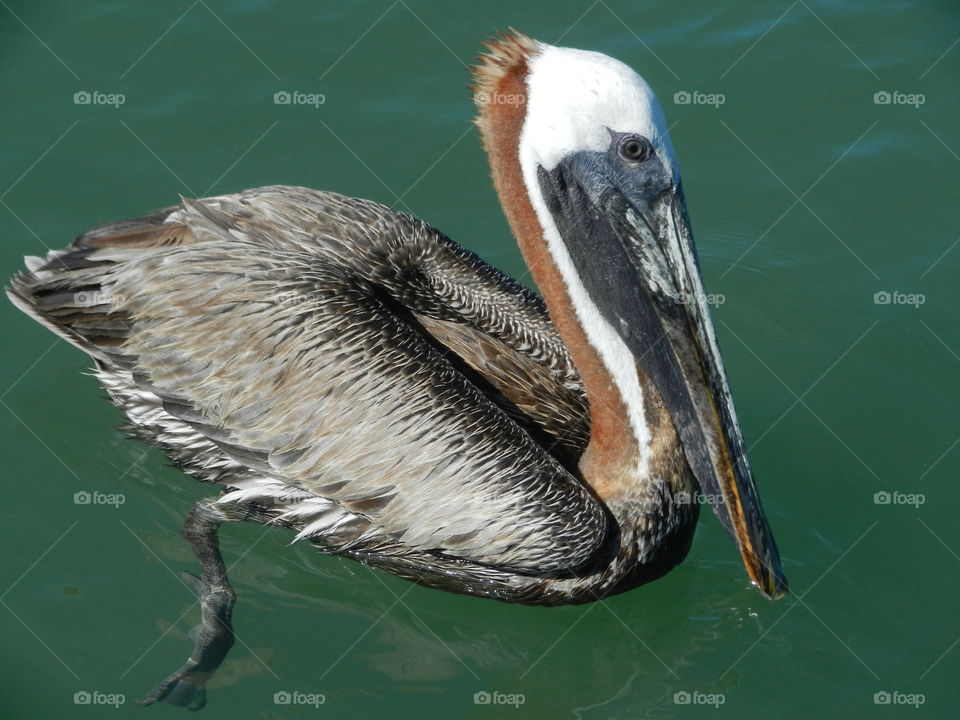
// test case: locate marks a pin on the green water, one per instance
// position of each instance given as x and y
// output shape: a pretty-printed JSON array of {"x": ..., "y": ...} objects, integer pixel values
[{"x": 807, "y": 199}]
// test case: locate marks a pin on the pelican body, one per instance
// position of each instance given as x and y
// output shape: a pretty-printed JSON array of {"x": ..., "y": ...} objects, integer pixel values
[{"x": 345, "y": 370}]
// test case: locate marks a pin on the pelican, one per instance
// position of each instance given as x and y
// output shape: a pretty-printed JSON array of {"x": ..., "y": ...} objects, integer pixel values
[{"x": 345, "y": 370}]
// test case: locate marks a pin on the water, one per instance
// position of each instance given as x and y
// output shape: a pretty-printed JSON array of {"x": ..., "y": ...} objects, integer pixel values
[{"x": 807, "y": 200}]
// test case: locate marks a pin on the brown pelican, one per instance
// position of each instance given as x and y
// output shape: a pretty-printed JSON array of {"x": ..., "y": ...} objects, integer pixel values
[{"x": 345, "y": 370}]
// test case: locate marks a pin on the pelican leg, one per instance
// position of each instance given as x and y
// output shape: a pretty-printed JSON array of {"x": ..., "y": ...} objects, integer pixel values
[{"x": 187, "y": 686}]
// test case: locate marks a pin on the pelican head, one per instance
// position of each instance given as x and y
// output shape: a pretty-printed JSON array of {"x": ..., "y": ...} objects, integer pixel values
[{"x": 583, "y": 163}]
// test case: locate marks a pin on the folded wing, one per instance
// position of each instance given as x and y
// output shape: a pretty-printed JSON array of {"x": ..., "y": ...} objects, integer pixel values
[{"x": 349, "y": 352}]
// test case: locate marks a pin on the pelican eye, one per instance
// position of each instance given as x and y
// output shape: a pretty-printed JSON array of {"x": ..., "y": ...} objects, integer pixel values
[{"x": 635, "y": 148}]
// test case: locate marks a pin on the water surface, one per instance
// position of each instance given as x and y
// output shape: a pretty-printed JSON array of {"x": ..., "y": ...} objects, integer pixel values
[{"x": 809, "y": 200}]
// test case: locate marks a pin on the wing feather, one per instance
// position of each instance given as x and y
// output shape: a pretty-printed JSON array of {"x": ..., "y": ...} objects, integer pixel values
[
  {"x": 354, "y": 397},
  {"x": 350, "y": 352}
]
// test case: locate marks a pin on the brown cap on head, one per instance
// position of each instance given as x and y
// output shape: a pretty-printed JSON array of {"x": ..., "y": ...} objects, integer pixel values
[{"x": 499, "y": 81}]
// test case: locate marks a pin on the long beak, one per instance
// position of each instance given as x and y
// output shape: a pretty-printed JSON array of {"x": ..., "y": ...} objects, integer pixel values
[
  {"x": 723, "y": 471},
  {"x": 633, "y": 249}
]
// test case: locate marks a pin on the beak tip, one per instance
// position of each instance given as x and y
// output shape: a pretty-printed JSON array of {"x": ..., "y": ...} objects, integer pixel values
[{"x": 774, "y": 586}]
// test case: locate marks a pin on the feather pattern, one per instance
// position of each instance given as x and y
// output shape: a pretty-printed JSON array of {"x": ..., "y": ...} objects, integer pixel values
[{"x": 356, "y": 375}]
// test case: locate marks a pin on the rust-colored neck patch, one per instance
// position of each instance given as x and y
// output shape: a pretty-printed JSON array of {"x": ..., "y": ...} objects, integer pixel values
[{"x": 500, "y": 92}]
